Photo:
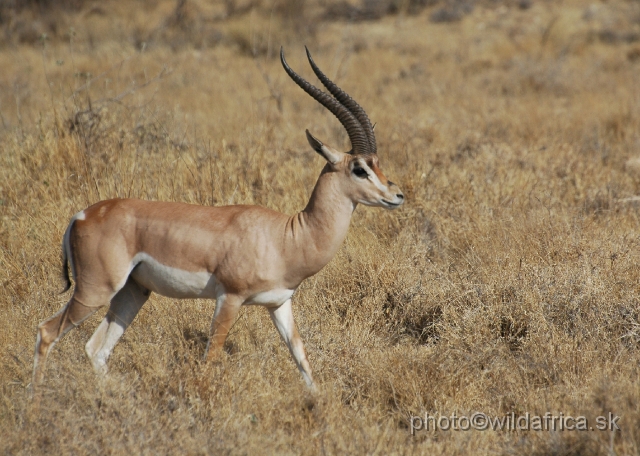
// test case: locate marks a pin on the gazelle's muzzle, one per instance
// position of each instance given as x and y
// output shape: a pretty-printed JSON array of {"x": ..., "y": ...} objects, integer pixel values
[{"x": 396, "y": 199}]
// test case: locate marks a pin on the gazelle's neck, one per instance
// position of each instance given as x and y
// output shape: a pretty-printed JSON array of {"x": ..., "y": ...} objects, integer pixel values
[{"x": 321, "y": 227}]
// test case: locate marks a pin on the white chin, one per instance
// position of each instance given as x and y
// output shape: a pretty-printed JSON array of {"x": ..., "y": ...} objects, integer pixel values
[{"x": 390, "y": 205}]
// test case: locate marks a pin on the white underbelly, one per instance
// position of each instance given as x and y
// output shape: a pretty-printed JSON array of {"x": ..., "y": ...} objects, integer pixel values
[
  {"x": 173, "y": 282},
  {"x": 270, "y": 298},
  {"x": 178, "y": 283}
]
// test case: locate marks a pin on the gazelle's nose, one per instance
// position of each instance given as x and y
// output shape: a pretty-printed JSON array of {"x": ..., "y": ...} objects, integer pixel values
[{"x": 399, "y": 195}]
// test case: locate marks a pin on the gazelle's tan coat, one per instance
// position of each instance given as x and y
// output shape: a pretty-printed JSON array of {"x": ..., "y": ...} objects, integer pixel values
[{"x": 121, "y": 250}]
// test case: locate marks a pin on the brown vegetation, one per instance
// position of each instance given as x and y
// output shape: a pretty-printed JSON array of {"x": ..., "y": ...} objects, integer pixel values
[{"x": 508, "y": 282}]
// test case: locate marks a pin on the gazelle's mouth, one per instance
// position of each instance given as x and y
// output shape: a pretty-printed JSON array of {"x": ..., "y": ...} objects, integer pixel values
[{"x": 391, "y": 205}]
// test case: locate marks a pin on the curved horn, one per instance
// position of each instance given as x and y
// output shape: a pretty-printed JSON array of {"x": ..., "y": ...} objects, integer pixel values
[
  {"x": 357, "y": 135},
  {"x": 348, "y": 102}
]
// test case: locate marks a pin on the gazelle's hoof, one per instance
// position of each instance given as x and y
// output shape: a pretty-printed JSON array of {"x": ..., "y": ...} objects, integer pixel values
[{"x": 100, "y": 367}]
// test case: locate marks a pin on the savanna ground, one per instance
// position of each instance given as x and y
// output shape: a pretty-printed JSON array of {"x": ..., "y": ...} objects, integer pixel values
[{"x": 508, "y": 282}]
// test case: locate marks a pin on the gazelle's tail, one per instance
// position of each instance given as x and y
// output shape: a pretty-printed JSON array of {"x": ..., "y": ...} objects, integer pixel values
[{"x": 67, "y": 259}]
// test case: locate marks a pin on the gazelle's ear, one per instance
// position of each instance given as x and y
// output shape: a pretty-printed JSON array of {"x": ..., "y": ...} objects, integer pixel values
[{"x": 329, "y": 154}]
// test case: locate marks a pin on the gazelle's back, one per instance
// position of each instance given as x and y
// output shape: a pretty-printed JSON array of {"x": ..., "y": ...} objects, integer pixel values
[{"x": 180, "y": 242}]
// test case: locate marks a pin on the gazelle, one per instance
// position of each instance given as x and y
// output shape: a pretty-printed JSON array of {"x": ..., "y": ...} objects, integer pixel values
[{"x": 121, "y": 250}]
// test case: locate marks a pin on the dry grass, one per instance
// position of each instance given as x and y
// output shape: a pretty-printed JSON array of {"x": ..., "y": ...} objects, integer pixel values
[{"x": 508, "y": 282}]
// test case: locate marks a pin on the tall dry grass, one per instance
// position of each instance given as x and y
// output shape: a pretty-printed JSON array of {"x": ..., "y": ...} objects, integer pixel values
[{"x": 508, "y": 282}]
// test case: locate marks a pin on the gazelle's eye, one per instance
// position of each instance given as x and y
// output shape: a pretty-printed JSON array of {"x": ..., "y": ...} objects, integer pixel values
[{"x": 360, "y": 172}]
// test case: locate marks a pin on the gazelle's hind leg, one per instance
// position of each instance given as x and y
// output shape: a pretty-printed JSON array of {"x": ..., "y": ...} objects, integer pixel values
[
  {"x": 51, "y": 330},
  {"x": 227, "y": 308},
  {"x": 125, "y": 305}
]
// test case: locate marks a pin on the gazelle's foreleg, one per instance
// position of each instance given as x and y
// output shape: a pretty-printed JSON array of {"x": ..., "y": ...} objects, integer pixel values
[
  {"x": 124, "y": 307},
  {"x": 283, "y": 320},
  {"x": 227, "y": 308}
]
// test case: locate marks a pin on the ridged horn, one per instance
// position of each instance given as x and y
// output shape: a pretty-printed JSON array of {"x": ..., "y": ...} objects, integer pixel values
[
  {"x": 348, "y": 102},
  {"x": 357, "y": 135}
]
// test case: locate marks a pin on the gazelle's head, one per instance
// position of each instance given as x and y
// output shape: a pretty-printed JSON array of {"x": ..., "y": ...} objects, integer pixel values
[{"x": 363, "y": 180}]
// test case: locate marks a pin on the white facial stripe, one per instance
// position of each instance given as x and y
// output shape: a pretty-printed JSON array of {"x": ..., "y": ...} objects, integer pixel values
[
  {"x": 374, "y": 178},
  {"x": 173, "y": 282}
]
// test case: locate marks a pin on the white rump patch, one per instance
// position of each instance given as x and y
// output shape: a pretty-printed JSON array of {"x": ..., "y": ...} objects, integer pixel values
[{"x": 173, "y": 282}]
